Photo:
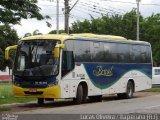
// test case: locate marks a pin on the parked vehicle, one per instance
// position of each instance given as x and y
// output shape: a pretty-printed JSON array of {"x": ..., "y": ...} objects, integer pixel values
[
  {"x": 156, "y": 76},
  {"x": 79, "y": 66}
]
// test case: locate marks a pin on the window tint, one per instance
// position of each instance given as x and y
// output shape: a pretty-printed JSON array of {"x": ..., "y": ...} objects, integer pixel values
[
  {"x": 157, "y": 72},
  {"x": 123, "y": 53},
  {"x": 113, "y": 52},
  {"x": 135, "y": 54},
  {"x": 67, "y": 62},
  {"x": 95, "y": 51},
  {"x": 82, "y": 51},
  {"x": 148, "y": 54},
  {"x": 69, "y": 45},
  {"x": 107, "y": 52},
  {"x": 143, "y": 54},
  {"x": 140, "y": 54}
]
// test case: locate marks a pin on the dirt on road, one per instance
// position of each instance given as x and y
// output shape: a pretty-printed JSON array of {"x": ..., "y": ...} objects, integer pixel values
[{"x": 20, "y": 107}]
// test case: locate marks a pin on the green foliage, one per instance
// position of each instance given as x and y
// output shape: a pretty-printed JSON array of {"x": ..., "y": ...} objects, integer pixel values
[
  {"x": 6, "y": 90},
  {"x": 12, "y": 11},
  {"x": 153, "y": 89},
  {"x": 54, "y": 31},
  {"x": 114, "y": 25},
  {"x": 124, "y": 25},
  {"x": 5, "y": 108},
  {"x": 27, "y": 35},
  {"x": 151, "y": 30},
  {"x": 8, "y": 37},
  {"x": 36, "y": 32},
  {"x": 15, "y": 100},
  {"x": 6, "y": 94}
]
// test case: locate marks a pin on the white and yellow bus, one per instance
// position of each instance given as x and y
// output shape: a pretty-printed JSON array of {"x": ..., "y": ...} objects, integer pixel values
[{"x": 80, "y": 66}]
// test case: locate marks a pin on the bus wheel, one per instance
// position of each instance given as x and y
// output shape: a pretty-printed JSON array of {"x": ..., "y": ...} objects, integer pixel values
[
  {"x": 79, "y": 96},
  {"x": 129, "y": 91},
  {"x": 40, "y": 101},
  {"x": 97, "y": 98}
]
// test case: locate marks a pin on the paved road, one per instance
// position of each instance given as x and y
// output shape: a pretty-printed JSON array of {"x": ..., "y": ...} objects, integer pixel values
[{"x": 109, "y": 105}]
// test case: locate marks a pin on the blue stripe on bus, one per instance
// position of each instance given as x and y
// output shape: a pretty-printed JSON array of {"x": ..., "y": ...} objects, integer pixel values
[{"x": 105, "y": 75}]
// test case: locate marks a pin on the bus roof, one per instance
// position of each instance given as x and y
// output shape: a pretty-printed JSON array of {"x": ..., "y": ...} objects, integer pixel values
[
  {"x": 90, "y": 35},
  {"x": 63, "y": 37},
  {"x": 73, "y": 36}
]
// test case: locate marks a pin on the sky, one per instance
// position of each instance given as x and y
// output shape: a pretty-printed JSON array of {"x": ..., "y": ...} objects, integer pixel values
[{"x": 83, "y": 10}]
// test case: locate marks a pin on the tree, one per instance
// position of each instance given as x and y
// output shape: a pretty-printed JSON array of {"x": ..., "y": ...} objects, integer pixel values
[
  {"x": 12, "y": 11},
  {"x": 36, "y": 32},
  {"x": 125, "y": 25},
  {"x": 151, "y": 30},
  {"x": 121, "y": 25},
  {"x": 8, "y": 37},
  {"x": 27, "y": 35},
  {"x": 55, "y": 31},
  {"x": 129, "y": 24}
]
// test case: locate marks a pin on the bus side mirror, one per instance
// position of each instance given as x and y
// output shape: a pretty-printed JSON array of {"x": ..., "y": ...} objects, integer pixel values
[
  {"x": 7, "y": 50},
  {"x": 57, "y": 50}
]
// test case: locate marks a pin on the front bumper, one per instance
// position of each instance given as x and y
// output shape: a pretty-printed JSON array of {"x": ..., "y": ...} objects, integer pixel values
[{"x": 50, "y": 92}]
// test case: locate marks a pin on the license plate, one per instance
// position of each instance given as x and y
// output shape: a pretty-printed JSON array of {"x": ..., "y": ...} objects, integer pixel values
[{"x": 32, "y": 90}]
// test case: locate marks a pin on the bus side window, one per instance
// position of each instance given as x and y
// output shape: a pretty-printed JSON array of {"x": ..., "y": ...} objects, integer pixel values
[
  {"x": 67, "y": 62},
  {"x": 148, "y": 54}
]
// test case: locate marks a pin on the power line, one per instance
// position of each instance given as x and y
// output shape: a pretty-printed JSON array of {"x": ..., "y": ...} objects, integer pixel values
[
  {"x": 100, "y": 9},
  {"x": 52, "y": 14},
  {"x": 82, "y": 11},
  {"x": 130, "y": 2},
  {"x": 94, "y": 9},
  {"x": 104, "y": 5},
  {"x": 118, "y": 1},
  {"x": 48, "y": 5},
  {"x": 53, "y": 1},
  {"x": 95, "y": 6},
  {"x": 74, "y": 5},
  {"x": 77, "y": 17}
]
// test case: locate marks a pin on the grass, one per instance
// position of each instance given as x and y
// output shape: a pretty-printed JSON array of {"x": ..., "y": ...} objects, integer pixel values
[
  {"x": 155, "y": 88},
  {"x": 15, "y": 100},
  {"x": 6, "y": 95},
  {"x": 6, "y": 90},
  {"x": 5, "y": 108}
]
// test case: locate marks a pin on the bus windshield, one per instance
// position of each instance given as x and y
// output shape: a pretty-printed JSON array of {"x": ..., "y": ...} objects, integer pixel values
[{"x": 35, "y": 58}]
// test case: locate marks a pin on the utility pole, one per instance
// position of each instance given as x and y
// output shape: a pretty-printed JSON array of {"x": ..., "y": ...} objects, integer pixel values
[
  {"x": 67, "y": 10},
  {"x": 137, "y": 19},
  {"x": 57, "y": 16},
  {"x": 66, "y": 16}
]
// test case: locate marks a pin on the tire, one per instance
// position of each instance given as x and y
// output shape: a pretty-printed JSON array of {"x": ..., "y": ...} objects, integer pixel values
[
  {"x": 97, "y": 98},
  {"x": 85, "y": 94},
  {"x": 129, "y": 90},
  {"x": 40, "y": 101},
  {"x": 79, "y": 97}
]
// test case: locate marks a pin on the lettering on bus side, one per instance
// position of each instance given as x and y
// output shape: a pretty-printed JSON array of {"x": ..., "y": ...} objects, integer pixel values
[
  {"x": 81, "y": 75},
  {"x": 101, "y": 71}
]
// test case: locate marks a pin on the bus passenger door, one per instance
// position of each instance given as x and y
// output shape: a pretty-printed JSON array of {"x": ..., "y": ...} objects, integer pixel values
[{"x": 67, "y": 67}]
